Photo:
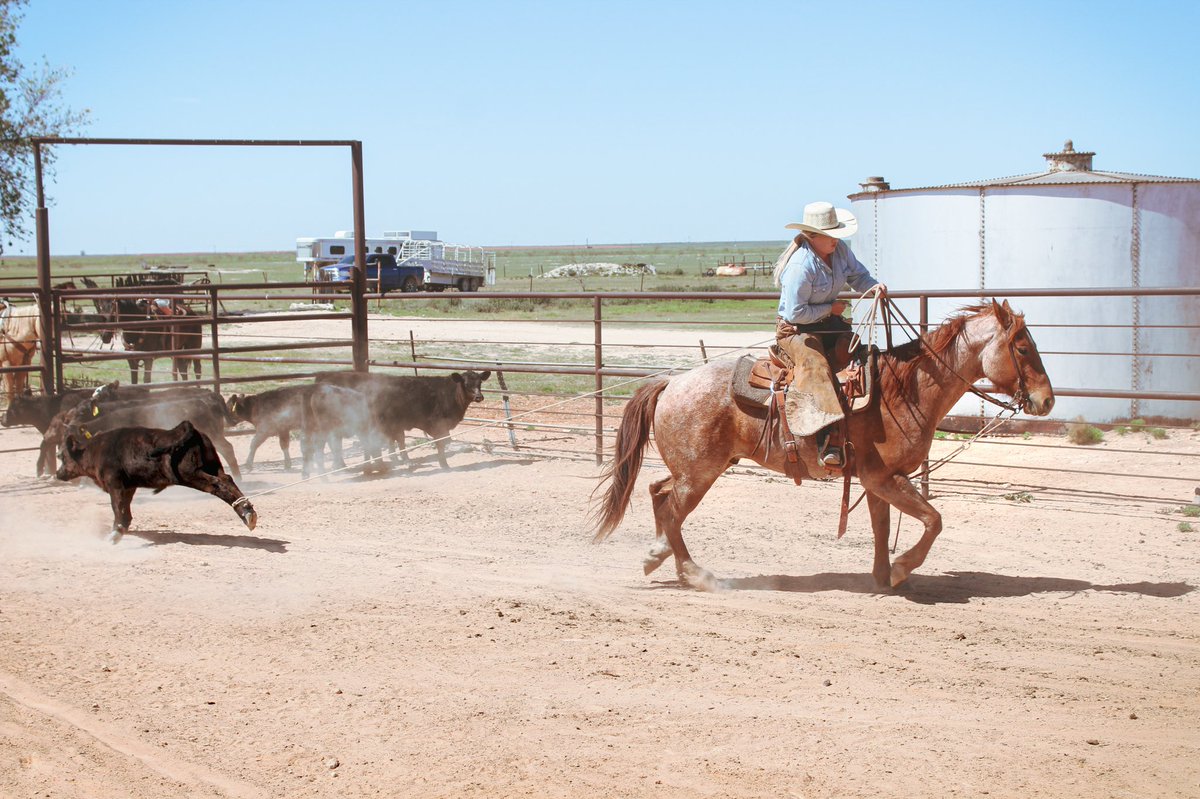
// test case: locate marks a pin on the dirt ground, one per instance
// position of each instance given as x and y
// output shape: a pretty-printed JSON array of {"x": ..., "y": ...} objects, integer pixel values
[{"x": 454, "y": 633}]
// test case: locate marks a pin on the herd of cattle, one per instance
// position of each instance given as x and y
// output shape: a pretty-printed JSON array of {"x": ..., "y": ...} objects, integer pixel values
[{"x": 128, "y": 437}]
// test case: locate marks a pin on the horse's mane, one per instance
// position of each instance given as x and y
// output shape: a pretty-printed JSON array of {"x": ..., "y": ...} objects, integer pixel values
[{"x": 899, "y": 366}]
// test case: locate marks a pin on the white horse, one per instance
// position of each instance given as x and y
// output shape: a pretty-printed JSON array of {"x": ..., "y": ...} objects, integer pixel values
[{"x": 20, "y": 336}]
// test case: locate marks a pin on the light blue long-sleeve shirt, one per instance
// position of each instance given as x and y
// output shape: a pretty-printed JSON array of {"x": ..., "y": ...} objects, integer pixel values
[{"x": 807, "y": 287}]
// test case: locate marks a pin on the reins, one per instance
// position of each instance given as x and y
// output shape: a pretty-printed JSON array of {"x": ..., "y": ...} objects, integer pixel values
[
  {"x": 1018, "y": 399},
  {"x": 886, "y": 308}
]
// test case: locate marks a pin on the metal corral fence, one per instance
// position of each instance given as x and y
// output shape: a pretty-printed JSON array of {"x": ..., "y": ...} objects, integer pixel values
[{"x": 548, "y": 397}]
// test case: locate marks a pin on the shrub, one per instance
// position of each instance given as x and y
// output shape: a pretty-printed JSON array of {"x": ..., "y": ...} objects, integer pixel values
[
  {"x": 1157, "y": 433},
  {"x": 1082, "y": 433},
  {"x": 1184, "y": 527},
  {"x": 1190, "y": 510}
]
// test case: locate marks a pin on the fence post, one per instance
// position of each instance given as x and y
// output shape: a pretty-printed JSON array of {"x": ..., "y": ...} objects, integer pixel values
[
  {"x": 212, "y": 334},
  {"x": 358, "y": 281},
  {"x": 925, "y": 329},
  {"x": 58, "y": 385},
  {"x": 599, "y": 365},
  {"x": 512, "y": 434},
  {"x": 49, "y": 326}
]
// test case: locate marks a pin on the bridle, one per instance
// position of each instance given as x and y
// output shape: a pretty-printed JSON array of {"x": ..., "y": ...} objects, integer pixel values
[{"x": 1019, "y": 397}]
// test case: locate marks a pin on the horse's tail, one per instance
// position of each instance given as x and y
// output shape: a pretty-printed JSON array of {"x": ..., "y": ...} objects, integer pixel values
[{"x": 622, "y": 471}]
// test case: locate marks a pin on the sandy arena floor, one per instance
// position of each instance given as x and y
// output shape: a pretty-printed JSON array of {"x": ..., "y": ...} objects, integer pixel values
[{"x": 455, "y": 633}]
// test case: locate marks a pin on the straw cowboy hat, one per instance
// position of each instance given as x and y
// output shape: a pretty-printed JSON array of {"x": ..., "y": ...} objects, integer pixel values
[{"x": 823, "y": 218}]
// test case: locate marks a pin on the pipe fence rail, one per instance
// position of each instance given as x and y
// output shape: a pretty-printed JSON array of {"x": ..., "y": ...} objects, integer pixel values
[{"x": 586, "y": 381}]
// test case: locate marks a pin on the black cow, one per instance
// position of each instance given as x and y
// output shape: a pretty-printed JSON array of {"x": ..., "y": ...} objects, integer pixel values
[
  {"x": 39, "y": 410},
  {"x": 434, "y": 405},
  {"x": 115, "y": 392},
  {"x": 207, "y": 413},
  {"x": 123, "y": 460}
]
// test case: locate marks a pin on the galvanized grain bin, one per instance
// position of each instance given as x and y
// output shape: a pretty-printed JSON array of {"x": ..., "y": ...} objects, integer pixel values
[{"x": 1069, "y": 226}]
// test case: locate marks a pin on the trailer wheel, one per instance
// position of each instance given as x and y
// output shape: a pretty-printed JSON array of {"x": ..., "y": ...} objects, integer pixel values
[{"x": 410, "y": 285}]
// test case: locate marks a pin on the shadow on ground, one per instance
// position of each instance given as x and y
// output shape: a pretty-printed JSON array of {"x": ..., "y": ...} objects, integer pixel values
[
  {"x": 157, "y": 538},
  {"x": 949, "y": 587}
]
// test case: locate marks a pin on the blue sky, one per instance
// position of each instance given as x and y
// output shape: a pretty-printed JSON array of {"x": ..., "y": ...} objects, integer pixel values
[{"x": 567, "y": 123}]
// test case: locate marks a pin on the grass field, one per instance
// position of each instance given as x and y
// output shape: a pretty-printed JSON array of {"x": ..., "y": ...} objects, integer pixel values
[{"x": 677, "y": 267}]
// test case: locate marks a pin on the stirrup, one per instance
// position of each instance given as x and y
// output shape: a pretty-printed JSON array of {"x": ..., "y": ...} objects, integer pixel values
[{"x": 832, "y": 458}]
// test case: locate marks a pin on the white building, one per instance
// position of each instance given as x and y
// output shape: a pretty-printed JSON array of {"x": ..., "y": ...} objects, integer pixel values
[{"x": 1069, "y": 226}]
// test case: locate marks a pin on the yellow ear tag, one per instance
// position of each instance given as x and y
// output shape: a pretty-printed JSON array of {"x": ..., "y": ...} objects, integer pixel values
[
  {"x": 95, "y": 410},
  {"x": 85, "y": 432}
]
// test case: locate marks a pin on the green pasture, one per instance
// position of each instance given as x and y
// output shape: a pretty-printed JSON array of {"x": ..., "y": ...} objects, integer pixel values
[{"x": 677, "y": 267}]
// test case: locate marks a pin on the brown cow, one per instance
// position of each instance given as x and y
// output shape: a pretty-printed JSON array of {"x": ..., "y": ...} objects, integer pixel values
[{"x": 123, "y": 460}]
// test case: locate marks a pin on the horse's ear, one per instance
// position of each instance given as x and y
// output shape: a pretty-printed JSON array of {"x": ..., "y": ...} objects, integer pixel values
[{"x": 1003, "y": 313}]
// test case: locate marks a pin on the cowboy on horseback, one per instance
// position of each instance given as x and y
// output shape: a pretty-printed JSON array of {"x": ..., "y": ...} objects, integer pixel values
[{"x": 811, "y": 330}]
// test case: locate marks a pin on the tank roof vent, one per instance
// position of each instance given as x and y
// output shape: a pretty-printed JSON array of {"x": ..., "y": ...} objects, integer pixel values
[
  {"x": 1069, "y": 160},
  {"x": 875, "y": 183}
]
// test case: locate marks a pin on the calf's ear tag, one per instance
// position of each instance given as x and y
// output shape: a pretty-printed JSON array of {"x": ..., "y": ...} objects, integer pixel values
[
  {"x": 86, "y": 433},
  {"x": 95, "y": 410}
]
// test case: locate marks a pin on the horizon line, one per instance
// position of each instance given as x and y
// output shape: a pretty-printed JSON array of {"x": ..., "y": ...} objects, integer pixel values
[{"x": 498, "y": 247}]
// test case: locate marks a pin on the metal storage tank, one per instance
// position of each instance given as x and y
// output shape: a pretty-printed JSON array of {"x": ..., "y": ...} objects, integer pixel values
[{"x": 1069, "y": 226}]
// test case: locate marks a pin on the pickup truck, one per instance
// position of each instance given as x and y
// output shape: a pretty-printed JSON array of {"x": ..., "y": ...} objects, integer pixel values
[
  {"x": 381, "y": 267},
  {"x": 415, "y": 274}
]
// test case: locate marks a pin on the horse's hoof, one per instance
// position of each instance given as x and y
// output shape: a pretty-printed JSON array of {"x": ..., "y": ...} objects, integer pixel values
[
  {"x": 658, "y": 555},
  {"x": 247, "y": 514},
  {"x": 699, "y": 578},
  {"x": 899, "y": 574},
  {"x": 114, "y": 536}
]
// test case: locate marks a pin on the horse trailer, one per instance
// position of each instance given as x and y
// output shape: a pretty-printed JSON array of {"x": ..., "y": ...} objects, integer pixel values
[{"x": 440, "y": 265}]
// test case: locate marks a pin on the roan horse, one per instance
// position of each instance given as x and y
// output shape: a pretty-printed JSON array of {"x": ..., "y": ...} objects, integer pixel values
[
  {"x": 699, "y": 430},
  {"x": 20, "y": 336},
  {"x": 176, "y": 335}
]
